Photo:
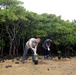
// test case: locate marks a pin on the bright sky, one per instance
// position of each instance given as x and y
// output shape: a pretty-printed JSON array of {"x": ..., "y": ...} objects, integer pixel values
[{"x": 65, "y": 8}]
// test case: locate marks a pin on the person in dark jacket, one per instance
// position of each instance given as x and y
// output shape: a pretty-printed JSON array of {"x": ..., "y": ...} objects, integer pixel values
[{"x": 46, "y": 46}]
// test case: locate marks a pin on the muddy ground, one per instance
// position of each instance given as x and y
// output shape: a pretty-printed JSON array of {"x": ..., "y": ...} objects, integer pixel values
[{"x": 64, "y": 66}]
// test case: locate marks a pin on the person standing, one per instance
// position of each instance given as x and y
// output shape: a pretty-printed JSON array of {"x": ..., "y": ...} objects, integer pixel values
[
  {"x": 31, "y": 44},
  {"x": 46, "y": 47}
]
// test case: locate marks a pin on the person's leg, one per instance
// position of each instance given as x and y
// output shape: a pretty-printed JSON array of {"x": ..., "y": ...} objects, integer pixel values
[
  {"x": 45, "y": 53},
  {"x": 32, "y": 55},
  {"x": 25, "y": 53},
  {"x": 49, "y": 55}
]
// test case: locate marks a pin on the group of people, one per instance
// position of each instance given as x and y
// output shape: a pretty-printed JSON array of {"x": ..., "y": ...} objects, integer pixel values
[{"x": 32, "y": 44}]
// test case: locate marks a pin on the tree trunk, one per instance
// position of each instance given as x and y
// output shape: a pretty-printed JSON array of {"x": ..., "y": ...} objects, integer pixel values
[
  {"x": 1, "y": 51},
  {"x": 65, "y": 52},
  {"x": 17, "y": 45},
  {"x": 23, "y": 43},
  {"x": 68, "y": 53},
  {"x": 10, "y": 49},
  {"x": 14, "y": 50}
]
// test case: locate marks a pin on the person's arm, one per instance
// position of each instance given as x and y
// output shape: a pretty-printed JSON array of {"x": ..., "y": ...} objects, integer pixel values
[
  {"x": 47, "y": 45},
  {"x": 34, "y": 49}
]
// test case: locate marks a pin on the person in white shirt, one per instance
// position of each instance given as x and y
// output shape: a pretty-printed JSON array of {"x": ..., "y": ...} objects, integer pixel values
[{"x": 31, "y": 44}]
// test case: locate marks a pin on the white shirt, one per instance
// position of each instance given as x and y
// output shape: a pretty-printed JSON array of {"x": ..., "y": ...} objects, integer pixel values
[{"x": 31, "y": 43}]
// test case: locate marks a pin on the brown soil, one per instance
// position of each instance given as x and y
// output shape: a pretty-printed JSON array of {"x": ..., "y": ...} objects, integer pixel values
[{"x": 64, "y": 66}]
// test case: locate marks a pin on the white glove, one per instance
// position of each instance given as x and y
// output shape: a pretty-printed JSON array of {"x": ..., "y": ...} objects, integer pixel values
[{"x": 48, "y": 49}]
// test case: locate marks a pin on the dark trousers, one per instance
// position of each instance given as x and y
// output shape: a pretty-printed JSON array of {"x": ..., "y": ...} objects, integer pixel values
[
  {"x": 25, "y": 54},
  {"x": 46, "y": 52}
]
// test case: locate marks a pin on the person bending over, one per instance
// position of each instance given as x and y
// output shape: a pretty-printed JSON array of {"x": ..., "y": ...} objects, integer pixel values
[
  {"x": 46, "y": 47},
  {"x": 30, "y": 44}
]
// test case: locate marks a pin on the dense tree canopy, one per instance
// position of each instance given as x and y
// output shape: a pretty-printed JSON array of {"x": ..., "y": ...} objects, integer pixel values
[{"x": 18, "y": 25}]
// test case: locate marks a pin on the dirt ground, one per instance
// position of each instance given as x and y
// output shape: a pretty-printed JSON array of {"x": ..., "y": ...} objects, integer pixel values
[{"x": 64, "y": 66}]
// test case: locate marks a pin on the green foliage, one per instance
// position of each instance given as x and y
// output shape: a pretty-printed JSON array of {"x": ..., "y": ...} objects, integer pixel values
[
  {"x": 2, "y": 43},
  {"x": 18, "y": 23}
]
